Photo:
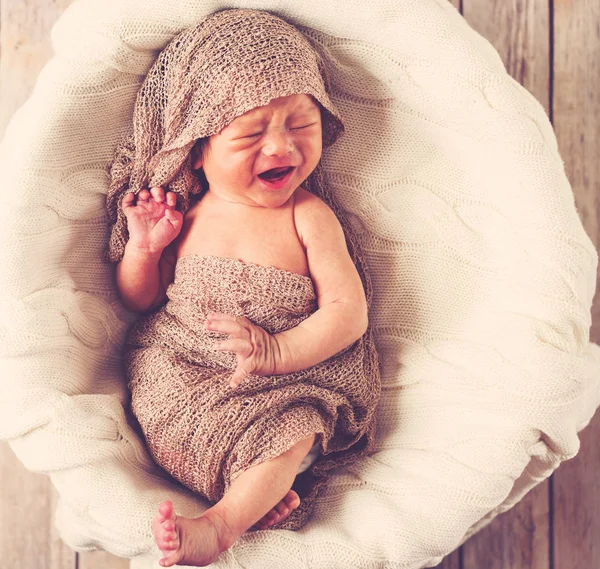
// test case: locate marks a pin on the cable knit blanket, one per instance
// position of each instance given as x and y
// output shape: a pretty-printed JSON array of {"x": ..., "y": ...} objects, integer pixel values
[
  {"x": 203, "y": 432},
  {"x": 483, "y": 279}
]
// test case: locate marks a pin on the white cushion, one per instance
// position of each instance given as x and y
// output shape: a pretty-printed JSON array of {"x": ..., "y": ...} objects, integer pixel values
[{"x": 483, "y": 282}]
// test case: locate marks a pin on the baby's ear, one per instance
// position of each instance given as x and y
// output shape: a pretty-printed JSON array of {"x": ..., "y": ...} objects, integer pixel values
[{"x": 196, "y": 157}]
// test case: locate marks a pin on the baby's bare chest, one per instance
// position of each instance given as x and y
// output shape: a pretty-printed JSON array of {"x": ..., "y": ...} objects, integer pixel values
[{"x": 258, "y": 235}]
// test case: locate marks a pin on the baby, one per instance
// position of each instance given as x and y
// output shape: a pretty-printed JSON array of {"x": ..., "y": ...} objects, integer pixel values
[
  {"x": 254, "y": 211},
  {"x": 252, "y": 370}
]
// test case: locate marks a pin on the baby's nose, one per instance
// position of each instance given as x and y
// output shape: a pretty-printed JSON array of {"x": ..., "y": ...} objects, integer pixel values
[{"x": 278, "y": 141}]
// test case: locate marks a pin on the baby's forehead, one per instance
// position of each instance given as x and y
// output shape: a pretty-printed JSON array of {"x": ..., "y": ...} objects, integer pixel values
[
  {"x": 291, "y": 105},
  {"x": 299, "y": 104}
]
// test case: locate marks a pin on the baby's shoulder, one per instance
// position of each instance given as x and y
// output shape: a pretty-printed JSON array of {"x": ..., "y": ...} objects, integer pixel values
[
  {"x": 307, "y": 205},
  {"x": 310, "y": 212}
]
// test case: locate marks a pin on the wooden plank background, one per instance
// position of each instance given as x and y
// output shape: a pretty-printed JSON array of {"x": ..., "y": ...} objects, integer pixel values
[{"x": 552, "y": 47}]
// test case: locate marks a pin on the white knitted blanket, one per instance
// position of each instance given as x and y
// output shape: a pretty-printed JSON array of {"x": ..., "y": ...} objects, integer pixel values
[{"x": 483, "y": 281}]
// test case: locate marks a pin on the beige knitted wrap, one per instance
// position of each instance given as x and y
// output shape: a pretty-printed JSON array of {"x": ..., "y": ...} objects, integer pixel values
[
  {"x": 205, "y": 433},
  {"x": 196, "y": 427}
]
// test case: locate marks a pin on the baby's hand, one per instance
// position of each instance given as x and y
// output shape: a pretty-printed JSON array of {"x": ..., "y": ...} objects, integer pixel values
[
  {"x": 153, "y": 222},
  {"x": 257, "y": 351}
]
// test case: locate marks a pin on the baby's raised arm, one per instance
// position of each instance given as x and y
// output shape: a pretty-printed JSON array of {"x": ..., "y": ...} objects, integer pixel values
[
  {"x": 342, "y": 317},
  {"x": 148, "y": 264}
]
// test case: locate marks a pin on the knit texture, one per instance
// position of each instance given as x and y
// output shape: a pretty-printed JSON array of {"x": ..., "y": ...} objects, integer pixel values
[
  {"x": 483, "y": 278},
  {"x": 203, "y": 432}
]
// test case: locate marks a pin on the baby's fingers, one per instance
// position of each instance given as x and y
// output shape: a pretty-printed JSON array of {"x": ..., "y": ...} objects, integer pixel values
[
  {"x": 128, "y": 199},
  {"x": 158, "y": 194},
  {"x": 241, "y": 373},
  {"x": 237, "y": 345},
  {"x": 175, "y": 218},
  {"x": 171, "y": 199}
]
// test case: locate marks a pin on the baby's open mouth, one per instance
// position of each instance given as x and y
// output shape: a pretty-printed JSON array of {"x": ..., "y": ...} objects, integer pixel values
[{"x": 275, "y": 174}]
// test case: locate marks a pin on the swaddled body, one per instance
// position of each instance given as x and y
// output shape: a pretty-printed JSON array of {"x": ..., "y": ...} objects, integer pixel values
[{"x": 197, "y": 427}]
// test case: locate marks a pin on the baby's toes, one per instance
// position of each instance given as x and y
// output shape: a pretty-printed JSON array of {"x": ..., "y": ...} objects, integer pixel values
[
  {"x": 268, "y": 519},
  {"x": 162, "y": 529},
  {"x": 291, "y": 500},
  {"x": 169, "y": 542},
  {"x": 282, "y": 509},
  {"x": 166, "y": 536},
  {"x": 157, "y": 525},
  {"x": 166, "y": 510}
]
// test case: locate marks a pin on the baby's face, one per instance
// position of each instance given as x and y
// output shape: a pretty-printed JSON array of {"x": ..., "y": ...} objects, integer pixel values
[{"x": 286, "y": 132}]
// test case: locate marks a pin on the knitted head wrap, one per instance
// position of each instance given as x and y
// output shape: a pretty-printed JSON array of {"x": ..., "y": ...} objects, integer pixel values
[{"x": 227, "y": 64}]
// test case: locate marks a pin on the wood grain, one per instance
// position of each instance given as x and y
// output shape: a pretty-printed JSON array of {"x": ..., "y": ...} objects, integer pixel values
[
  {"x": 517, "y": 539},
  {"x": 24, "y": 47},
  {"x": 519, "y": 30},
  {"x": 28, "y": 538},
  {"x": 452, "y": 561},
  {"x": 576, "y": 522},
  {"x": 101, "y": 560}
]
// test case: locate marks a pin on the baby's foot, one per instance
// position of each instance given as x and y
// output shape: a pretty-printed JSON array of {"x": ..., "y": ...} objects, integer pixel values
[
  {"x": 185, "y": 541},
  {"x": 280, "y": 512}
]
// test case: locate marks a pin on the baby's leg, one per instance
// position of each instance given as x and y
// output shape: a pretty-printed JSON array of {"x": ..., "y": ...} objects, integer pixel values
[{"x": 252, "y": 494}]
